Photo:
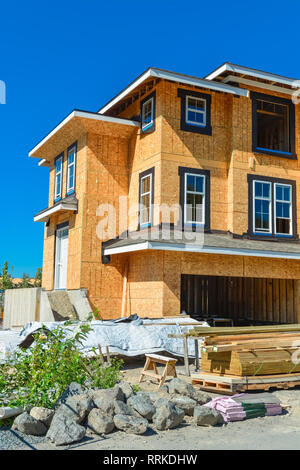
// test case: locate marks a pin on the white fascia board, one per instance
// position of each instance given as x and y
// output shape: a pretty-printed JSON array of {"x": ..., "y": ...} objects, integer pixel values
[
  {"x": 200, "y": 249},
  {"x": 200, "y": 82},
  {"x": 174, "y": 77},
  {"x": 265, "y": 86},
  {"x": 44, "y": 162},
  {"x": 252, "y": 73},
  {"x": 127, "y": 249},
  {"x": 86, "y": 115},
  {"x": 60, "y": 207}
]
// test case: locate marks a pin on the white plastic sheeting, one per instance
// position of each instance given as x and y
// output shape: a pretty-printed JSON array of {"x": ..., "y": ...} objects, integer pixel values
[{"x": 132, "y": 338}]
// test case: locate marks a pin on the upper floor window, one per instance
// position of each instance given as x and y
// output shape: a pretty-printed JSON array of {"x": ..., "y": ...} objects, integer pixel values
[
  {"x": 195, "y": 197},
  {"x": 272, "y": 208},
  {"x": 194, "y": 203},
  {"x": 195, "y": 111},
  {"x": 273, "y": 125},
  {"x": 71, "y": 170},
  {"x": 146, "y": 197},
  {"x": 58, "y": 177},
  {"x": 148, "y": 113}
]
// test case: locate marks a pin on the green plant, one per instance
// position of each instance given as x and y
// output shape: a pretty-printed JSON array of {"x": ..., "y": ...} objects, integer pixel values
[
  {"x": 103, "y": 374},
  {"x": 96, "y": 313},
  {"x": 37, "y": 376},
  {"x": 136, "y": 388},
  {"x": 38, "y": 278},
  {"x": 5, "y": 278}
]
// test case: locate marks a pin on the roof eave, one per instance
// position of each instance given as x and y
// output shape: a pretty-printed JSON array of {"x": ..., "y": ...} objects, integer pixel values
[
  {"x": 228, "y": 67},
  {"x": 84, "y": 115},
  {"x": 175, "y": 77}
]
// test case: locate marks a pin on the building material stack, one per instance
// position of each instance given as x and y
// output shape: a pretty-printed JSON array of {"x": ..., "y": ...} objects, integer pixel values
[{"x": 248, "y": 358}]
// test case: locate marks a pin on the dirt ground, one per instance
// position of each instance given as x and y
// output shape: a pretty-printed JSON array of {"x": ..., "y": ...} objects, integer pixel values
[{"x": 268, "y": 433}]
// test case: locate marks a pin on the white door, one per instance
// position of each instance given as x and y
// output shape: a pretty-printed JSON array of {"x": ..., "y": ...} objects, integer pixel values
[{"x": 61, "y": 258}]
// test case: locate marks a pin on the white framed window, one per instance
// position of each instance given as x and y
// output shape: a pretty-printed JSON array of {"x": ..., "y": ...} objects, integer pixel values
[
  {"x": 58, "y": 177},
  {"x": 262, "y": 206},
  {"x": 71, "y": 169},
  {"x": 146, "y": 200},
  {"x": 195, "y": 111},
  {"x": 283, "y": 209},
  {"x": 147, "y": 113},
  {"x": 194, "y": 199}
]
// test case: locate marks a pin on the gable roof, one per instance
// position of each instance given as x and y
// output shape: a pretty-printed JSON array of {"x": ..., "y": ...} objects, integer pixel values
[
  {"x": 228, "y": 68},
  {"x": 174, "y": 77}
]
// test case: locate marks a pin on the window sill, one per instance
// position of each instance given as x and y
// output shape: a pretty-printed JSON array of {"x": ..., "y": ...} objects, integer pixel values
[
  {"x": 272, "y": 237},
  {"x": 275, "y": 153},
  {"x": 206, "y": 130}
]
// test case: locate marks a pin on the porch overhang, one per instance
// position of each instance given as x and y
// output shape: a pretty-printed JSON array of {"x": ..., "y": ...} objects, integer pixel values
[
  {"x": 69, "y": 204},
  {"x": 211, "y": 243},
  {"x": 78, "y": 123}
]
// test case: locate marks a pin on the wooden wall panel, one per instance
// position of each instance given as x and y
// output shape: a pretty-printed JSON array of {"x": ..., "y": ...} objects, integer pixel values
[{"x": 245, "y": 300}]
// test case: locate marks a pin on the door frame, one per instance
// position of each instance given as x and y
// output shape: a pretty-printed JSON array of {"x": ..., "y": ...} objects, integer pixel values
[{"x": 61, "y": 226}]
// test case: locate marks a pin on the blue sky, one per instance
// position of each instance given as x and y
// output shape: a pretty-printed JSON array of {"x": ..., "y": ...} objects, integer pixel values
[{"x": 60, "y": 55}]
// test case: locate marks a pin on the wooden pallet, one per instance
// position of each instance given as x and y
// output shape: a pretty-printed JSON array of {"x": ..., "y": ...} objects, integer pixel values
[{"x": 229, "y": 385}]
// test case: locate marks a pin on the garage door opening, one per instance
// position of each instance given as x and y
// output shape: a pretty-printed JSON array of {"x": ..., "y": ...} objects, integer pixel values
[{"x": 247, "y": 301}]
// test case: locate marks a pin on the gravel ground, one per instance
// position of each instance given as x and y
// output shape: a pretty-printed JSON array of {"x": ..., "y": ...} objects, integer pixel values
[{"x": 15, "y": 440}]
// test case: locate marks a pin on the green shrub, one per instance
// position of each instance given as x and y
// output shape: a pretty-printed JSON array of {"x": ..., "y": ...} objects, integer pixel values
[{"x": 37, "y": 376}]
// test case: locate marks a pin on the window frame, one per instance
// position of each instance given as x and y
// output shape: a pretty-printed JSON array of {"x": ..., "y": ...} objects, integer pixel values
[
  {"x": 150, "y": 127},
  {"x": 188, "y": 126},
  {"x": 272, "y": 235},
  {"x": 290, "y": 210},
  {"x": 57, "y": 197},
  {"x": 192, "y": 222},
  {"x": 193, "y": 123},
  {"x": 291, "y": 118},
  {"x": 182, "y": 172},
  {"x": 270, "y": 199},
  {"x": 144, "y": 174},
  {"x": 71, "y": 190}
]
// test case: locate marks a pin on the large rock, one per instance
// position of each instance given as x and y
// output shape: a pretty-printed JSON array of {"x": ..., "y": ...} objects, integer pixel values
[
  {"x": 201, "y": 397},
  {"x": 105, "y": 399},
  {"x": 181, "y": 388},
  {"x": 122, "y": 408},
  {"x": 76, "y": 407},
  {"x": 64, "y": 430},
  {"x": 204, "y": 416},
  {"x": 167, "y": 415},
  {"x": 42, "y": 414},
  {"x": 131, "y": 424},
  {"x": 126, "y": 388},
  {"x": 99, "y": 423},
  {"x": 184, "y": 403},
  {"x": 73, "y": 389},
  {"x": 29, "y": 425},
  {"x": 142, "y": 404}
]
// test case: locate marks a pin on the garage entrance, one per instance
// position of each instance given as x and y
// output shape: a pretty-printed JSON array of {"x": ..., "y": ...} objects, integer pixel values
[{"x": 247, "y": 301}]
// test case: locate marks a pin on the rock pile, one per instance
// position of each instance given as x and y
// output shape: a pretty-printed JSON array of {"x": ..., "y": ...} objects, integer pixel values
[{"x": 102, "y": 411}]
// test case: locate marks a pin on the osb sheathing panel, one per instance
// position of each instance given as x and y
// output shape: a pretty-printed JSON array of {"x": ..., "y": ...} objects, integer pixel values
[
  {"x": 75, "y": 222},
  {"x": 106, "y": 182},
  {"x": 145, "y": 284}
]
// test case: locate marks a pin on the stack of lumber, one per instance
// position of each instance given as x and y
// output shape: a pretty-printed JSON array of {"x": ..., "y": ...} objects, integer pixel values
[{"x": 249, "y": 351}]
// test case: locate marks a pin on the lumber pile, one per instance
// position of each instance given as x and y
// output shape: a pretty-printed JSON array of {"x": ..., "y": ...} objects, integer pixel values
[{"x": 249, "y": 351}]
